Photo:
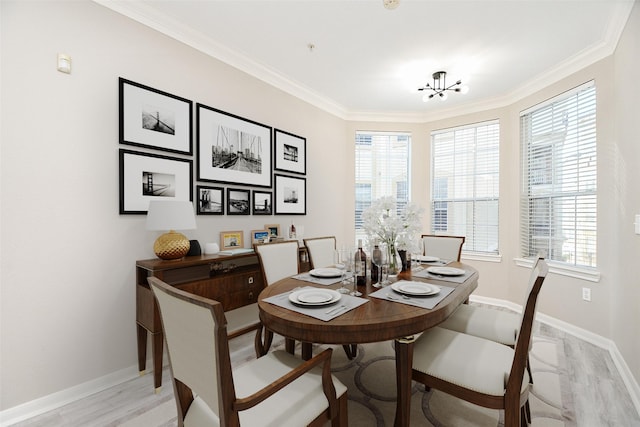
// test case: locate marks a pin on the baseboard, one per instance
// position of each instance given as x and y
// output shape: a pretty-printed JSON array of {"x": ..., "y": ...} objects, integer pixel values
[
  {"x": 58, "y": 399},
  {"x": 627, "y": 377}
]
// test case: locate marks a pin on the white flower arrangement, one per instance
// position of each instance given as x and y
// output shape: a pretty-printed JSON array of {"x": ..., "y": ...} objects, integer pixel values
[{"x": 398, "y": 230}]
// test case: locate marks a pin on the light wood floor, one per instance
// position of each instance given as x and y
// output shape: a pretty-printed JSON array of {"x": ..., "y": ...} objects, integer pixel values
[{"x": 599, "y": 396}]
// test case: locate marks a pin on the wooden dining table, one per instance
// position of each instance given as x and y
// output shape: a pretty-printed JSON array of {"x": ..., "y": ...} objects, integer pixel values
[{"x": 378, "y": 320}]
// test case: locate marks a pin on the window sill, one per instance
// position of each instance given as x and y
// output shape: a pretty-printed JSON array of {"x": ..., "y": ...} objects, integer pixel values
[
  {"x": 476, "y": 256},
  {"x": 582, "y": 273}
]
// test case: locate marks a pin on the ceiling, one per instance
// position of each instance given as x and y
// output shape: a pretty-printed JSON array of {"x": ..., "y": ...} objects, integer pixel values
[{"x": 367, "y": 62}]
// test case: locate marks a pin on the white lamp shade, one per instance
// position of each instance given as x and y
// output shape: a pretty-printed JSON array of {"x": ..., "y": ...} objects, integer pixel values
[{"x": 170, "y": 215}]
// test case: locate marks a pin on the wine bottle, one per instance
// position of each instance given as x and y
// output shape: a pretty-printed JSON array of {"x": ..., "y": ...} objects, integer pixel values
[
  {"x": 376, "y": 261},
  {"x": 360, "y": 265}
]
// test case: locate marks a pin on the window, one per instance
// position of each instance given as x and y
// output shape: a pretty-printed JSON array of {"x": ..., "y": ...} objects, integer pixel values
[
  {"x": 558, "y": 204},
  {"x": 465, "y": 184},
  {"x": 382, "y": 169}
]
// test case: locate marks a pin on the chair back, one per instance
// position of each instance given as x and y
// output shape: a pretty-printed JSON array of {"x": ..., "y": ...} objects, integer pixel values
[
  {"x": 278, "y": 260},
  {"x": 523, "y": 342},
  {"x": 443, "y": 247},
  {"x": 195, "y": 330},
  {"x": 321, "y": 251}
]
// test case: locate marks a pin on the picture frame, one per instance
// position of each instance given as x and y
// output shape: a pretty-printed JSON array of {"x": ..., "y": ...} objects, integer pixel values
[
  {"x": 290, "y": 195},
  {"x": 147, "y": 176},
  {"x": 231, "y": 240},
  {"x": 232, "y": 149},
  {"x": 210, "y": 200},
  {"x": 262, "y": 202},
  {"x": 155, "y": 119},
  {"x": 273, "y": 229},
  {"x": 259, "y": 236},
  {"x": 238, "y": 201},
  {"x": 290, "y": 152}
]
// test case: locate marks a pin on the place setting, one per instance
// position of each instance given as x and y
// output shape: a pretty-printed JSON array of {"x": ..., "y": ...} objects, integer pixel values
[
  {"x": 449, "y": 274},
  {"x": 419, "y": 294},
  {"x": 324, "y": 276},
  {"x": 323, "y": 304}
]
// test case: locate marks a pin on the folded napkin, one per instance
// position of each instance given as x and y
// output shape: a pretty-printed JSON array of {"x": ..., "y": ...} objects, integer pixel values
[
  {"x": 429, "y": 301},
  {"x": 326, "y": 281},
  {"x": 424, "y": 274},
  {"x": 323, "y": 312}
]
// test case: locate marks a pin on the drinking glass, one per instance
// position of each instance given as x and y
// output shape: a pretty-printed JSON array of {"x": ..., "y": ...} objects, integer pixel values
[
  {"x": 341, "y": 264},
  {"x": 384, "y": 269},
  {"x": 376, "y": 260}
]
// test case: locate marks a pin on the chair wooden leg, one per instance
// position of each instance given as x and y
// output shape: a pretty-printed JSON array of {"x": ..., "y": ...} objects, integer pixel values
[
  {"x": 529, "y": 371},
  {"x": 527, "y": 411},
  {"x": 263, "y": 340},
  {"x": 351, "y": 350}
]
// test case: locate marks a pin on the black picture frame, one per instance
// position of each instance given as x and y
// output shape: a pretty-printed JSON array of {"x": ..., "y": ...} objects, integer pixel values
[
  {"x": 289, "y": 152},
  {"x": 262, "y": 202},
  {"x": 210, "y": 200},
  {"x": 148, "y": 176},
  {"x": 232, "y": 149},
  {"x": 151, "y": 118},
  {"x": 290, "y": 195},
  {"x": 238, "y": 201}
]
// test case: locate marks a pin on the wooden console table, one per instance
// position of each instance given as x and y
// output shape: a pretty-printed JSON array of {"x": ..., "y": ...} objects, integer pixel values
[{"x": 233, "y": 280}]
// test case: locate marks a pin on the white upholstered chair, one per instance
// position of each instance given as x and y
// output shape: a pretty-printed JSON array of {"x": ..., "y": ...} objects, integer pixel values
[
  {"x": 481, "y": 371},
  {"x": 444, "y": 247},
  {"x": 321, "y": 251},
  {"x": 277, "y": 261},
  {"x": 495, "y": 325},
  {"x": 275, "y": 390}
]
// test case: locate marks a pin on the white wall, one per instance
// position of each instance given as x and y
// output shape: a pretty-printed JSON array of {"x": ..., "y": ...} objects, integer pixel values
[{"x": 67, "y": 266}]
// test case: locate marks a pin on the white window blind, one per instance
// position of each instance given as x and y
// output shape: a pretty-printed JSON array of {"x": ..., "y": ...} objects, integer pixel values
[
  {"x": 465, "y": 184},
  {"x": 382, "y": 169},
  {"x": 559, "y": 198}
]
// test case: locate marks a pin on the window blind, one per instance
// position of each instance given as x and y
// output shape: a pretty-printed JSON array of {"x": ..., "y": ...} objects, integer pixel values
[
  {"x": 465, "y": 184},
  {"x": 559, "y": 183},
  {"x": 382, "y": 169}
]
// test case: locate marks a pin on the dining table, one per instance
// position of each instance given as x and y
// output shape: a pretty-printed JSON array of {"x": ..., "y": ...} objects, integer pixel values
[{"x": 381, "y": 314}]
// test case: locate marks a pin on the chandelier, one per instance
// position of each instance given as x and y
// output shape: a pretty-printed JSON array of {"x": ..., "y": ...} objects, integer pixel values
[{"x": 440, "y": 88}]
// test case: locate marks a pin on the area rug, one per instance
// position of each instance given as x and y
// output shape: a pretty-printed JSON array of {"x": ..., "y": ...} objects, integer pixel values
[{"x": 370, "y": 379}]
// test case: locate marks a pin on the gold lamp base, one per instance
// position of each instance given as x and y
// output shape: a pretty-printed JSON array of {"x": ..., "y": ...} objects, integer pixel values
[{"x": 171, "y": 245}]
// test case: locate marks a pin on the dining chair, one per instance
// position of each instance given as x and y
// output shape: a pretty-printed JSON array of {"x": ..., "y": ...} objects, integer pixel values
[
  {"x": 275, "y": 390},
  {"x": 491, "y": 324},
  {"x": 443, "y": 247},
  {"x": 277, "y": 261},
  {"x": 478, "y": 370},
  {"x": 321, "y": 251}
]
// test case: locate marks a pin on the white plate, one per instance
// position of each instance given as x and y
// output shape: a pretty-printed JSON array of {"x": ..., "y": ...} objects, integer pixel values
[
  {"x": 446, "y": 271},
  {"x": 415, "y": 288},
  {"x": 428, "y": 258},
  {"x": 314, "y": 297},
  {"x": 326, "y": 272}
]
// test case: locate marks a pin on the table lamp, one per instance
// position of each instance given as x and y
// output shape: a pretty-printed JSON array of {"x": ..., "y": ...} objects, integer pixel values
[{"x": 171, "y": 215}]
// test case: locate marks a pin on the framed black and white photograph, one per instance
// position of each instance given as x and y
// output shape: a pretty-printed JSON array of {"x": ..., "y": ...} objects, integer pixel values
[
  {"x": 154, "y": 119},
  {"x": 290, "y": 152},
  {"x": 232, "y": 149},
  {"x": 238, "y": 202},
  {"x": 146, "y": 176},
  {"x": 291, "y": 195},
  {"x": 262, "y": 202},
  {"x": 210, "y": 200}
]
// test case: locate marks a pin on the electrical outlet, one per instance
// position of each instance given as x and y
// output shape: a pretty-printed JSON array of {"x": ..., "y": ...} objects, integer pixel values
[{"x": 586, "y": 294}]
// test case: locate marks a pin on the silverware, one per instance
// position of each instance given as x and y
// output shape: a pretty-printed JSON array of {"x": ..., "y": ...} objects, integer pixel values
[{"x": 335, "y": 309}]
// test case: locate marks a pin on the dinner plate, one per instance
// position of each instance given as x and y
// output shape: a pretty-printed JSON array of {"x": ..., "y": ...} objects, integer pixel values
[
  {"x": 314, "y": 297},
  {"x": 326, "y": 272},
  {"x": 446, "y": 271},
  {"x": 415, "y": 288},
  {"x": 428, "y": 258}
]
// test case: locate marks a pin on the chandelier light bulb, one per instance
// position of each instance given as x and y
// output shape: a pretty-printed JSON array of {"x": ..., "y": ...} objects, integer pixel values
[
  {"x": 444, "y": 96},
  {"x": 464, "y": 89},
  {"x": 426, "y": 97}
]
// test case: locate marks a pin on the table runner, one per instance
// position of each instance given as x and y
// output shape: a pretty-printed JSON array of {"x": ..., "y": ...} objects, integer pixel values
[
  {"x": 424, "y": 301},
  {"x": 325, "y": 312}
]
